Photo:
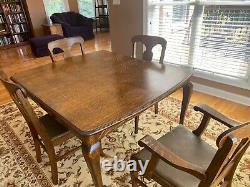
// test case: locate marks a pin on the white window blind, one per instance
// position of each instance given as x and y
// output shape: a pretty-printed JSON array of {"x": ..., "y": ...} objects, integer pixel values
[
  {"x": 211, "y": 36},
  {"x": 173, "y": 22},
  {"x": 87, "y": 8},
  {"x": 55, "y": 6}
]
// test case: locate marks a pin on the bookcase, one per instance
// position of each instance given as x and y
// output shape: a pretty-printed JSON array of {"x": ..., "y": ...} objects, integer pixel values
[
  {"x": 101, "y": 15},
  {"x": 14, "y": 25}
]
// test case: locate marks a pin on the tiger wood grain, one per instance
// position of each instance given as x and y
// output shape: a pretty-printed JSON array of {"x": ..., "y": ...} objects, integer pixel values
[{"x": 93, "y": 92}]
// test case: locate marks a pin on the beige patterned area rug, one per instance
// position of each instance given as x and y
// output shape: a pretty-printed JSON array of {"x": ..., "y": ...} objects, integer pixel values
[{"x": 18, "y": 166}]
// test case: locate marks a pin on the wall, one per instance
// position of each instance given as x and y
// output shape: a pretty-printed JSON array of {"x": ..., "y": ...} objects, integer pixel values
[
  {"x": 37, "y": 14},
  {"x": 73, "y": 5},
  {"x": 125, "y": 22},
  {"x": 224, "y": 87}
]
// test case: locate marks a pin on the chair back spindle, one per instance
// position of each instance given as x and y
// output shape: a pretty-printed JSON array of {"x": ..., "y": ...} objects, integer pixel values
[
  {"x": 149, "y": 42},
  {"x": 66, "y": 45},
  {"x": 19, "y": 96},
  {"x": 45, "y": 130}
]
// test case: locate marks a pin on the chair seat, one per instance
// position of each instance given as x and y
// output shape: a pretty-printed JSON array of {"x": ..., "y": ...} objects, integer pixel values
[
  {"x": 187, "y": 146},
  {"x": 55, "y": 130}
]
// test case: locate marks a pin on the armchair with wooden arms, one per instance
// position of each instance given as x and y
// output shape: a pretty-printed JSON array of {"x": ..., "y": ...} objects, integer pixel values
[{"x": 181, "y": 158}]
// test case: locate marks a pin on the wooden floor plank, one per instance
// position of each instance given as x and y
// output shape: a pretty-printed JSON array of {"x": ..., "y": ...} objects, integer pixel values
[{"x": 21, "y": 58}]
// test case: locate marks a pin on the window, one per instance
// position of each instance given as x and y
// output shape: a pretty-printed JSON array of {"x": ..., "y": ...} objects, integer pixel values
[
  {"x": 87, "y": 8},
  {"x": 173, "y": 22},
  {"x": 55, "y": 6},
  {"x": 211, "y": 36}
]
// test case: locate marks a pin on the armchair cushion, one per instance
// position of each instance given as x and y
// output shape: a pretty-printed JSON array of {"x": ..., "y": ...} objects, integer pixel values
[
  {"x": 74, "y": 24},
  {"x": 187, "y": 146},
  {"x": 39, "y": 45}
]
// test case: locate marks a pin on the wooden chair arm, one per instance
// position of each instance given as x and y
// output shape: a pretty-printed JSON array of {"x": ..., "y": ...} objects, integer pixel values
[
  {"x": 206, "y": 110},
  {"x": 212, "y": 113},
  {"x": 160, "y": 151}
]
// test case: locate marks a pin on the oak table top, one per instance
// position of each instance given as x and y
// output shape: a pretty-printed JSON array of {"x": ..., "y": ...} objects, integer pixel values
[
  {"x": 95, "y": 93},
  {"x": 92, "y": 92}
]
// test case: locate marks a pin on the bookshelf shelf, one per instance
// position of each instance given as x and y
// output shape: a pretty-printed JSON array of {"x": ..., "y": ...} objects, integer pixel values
[
  {"x": 18, "y": 23},
  {"x": 101, "y": 15},
  {"x": 11, "y": 13},
  {"x": 13, "y": 45},
  {"x": 14, "y": 25},
  {"x": 4, "y": 33},
  {"x": 11, "y": 2},
  {"x": 19, "y": 33}
]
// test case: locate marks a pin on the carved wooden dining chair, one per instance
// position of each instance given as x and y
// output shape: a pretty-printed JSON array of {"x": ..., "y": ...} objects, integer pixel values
[
  {"x": 181, "y": 158},
  {"x": 149, "y": 42},
  {"x": 66, "y": 45},
  {"x": 46, "y": 131}
]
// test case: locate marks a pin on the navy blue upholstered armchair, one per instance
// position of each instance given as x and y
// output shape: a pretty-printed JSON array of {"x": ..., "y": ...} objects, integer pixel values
[{"x": 74, "y": 24}]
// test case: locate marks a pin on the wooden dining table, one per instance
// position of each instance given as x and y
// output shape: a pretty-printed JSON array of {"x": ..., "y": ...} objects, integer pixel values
[{"x": 96, "y": 93}]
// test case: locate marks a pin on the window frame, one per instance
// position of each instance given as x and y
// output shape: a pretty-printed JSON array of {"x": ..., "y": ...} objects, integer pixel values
[
  {"x": 78, "y": 3},
  {"x": 66, "y": 4},
  {"x": 200, "y": 73}
]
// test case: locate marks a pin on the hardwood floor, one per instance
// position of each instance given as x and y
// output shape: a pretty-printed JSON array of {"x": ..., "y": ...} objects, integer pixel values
[
  {"x": 234, "y": 110},
  {"x": 20, "y": 59}
]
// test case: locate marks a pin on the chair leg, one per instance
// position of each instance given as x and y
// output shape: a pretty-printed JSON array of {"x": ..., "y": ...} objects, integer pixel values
[
  {"x": 53, "y": 164},
  {"x": 156, "y": 108},
  {"x": 134, "y": 176},
  {"x": 104, "y": 155},
  {"x": 229, "y": 179},
  {"x": 38, "y": 150},
  {"x": 136, "y": 124}
]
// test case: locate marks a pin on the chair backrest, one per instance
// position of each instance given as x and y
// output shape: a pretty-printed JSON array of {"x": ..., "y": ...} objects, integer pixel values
[
  {"x": 69, "y": 18},
  {"x": 19, "y": 96},
  {"x": 66, "y": 45},
  {"x": 232, "y": 144},
  {"x": 149, "y": 42}
]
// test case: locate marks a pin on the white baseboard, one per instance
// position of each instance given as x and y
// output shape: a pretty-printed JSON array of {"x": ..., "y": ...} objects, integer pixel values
[{"x": 222, "y": 94}]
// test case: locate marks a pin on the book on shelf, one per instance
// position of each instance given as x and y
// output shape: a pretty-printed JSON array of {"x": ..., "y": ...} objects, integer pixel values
[
  {"x": 13, "y": 7},
  {"x": 18, "y": 38},
  {"x": 9, "y": 1},
  {"x": 2, "y": 19},
  {"x": 2, "y": 28},
  {"x": 16, "y": 18},
  {"x": 18, "y": 28},
  {"x": 14, "y": 26},
  {"x": 5, "y": 41}
]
